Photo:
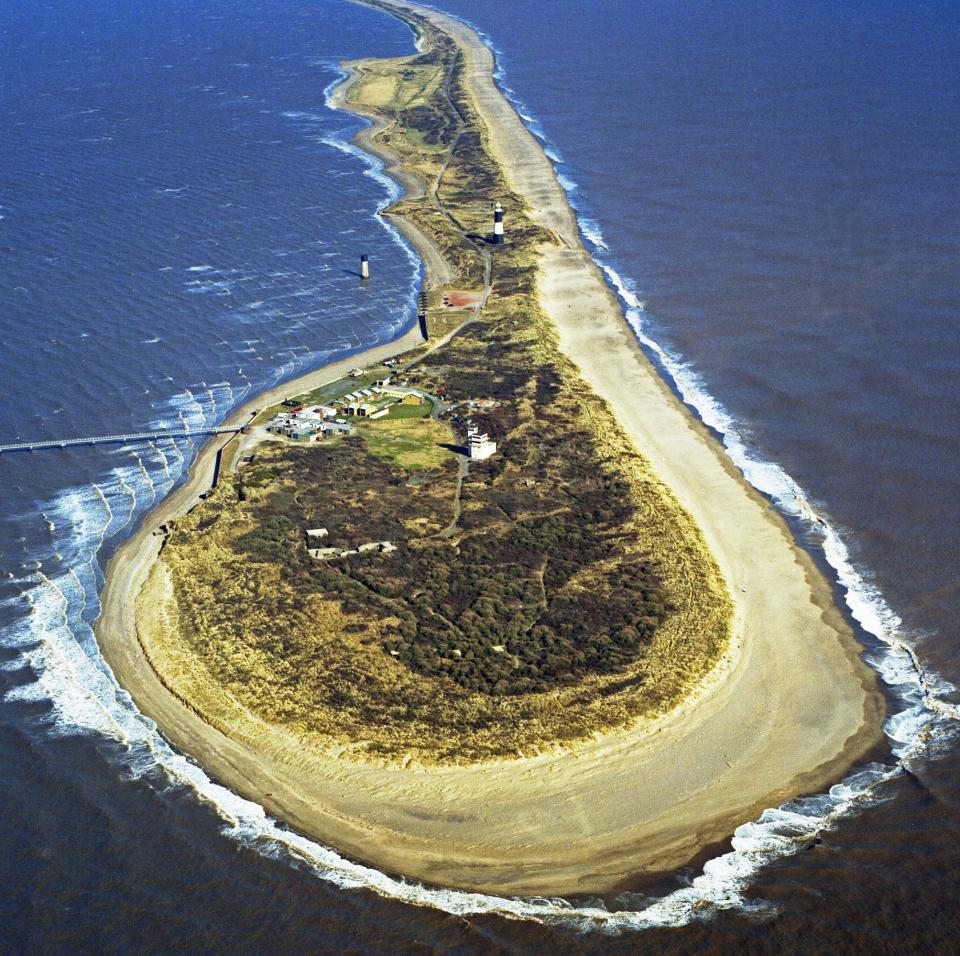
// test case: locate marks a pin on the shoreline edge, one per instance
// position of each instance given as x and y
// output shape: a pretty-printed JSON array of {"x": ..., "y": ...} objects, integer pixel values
[{"x": 570, "y": 275}]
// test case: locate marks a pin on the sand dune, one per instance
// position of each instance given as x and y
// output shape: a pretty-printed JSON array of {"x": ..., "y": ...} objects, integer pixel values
[{"x": 789, "y": 708}]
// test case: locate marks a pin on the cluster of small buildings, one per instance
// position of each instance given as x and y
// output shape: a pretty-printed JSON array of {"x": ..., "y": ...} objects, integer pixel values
[
  {"x": 373, "y": 402},
  {"x": 302, "y": 422},
  {"x": 359, "y": 403},
  {"x": 382, "y": 390}
]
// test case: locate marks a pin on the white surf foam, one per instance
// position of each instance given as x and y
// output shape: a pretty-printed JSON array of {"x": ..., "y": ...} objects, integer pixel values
[
  {"x": 374, "y": 168},
  {"x": 593, "y": 233},
  {"x": 55, "y": 640},
  {"x": 301, "y": 115},
  {"x": 924, "y": 714}
]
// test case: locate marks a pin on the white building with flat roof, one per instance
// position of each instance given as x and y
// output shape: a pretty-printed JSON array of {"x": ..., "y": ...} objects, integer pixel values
[{"x": 479, "y": 444}]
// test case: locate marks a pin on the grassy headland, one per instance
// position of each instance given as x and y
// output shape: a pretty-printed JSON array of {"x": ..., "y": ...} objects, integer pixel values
[
  {"x": 287, "y": 690},
  {"x": 551, "y": 592}
]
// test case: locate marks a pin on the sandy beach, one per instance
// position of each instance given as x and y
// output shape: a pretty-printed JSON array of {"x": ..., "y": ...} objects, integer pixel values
[{"x": 785, "y": 712}]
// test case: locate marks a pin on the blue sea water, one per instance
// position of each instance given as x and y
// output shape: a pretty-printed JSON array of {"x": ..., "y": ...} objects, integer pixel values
[{"x": 767, "y": 187}]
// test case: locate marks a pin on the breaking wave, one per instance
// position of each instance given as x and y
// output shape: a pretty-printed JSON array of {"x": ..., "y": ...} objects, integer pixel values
[
  {"x": 55, "y": 640},
  {"x": 53, "y": 637}
]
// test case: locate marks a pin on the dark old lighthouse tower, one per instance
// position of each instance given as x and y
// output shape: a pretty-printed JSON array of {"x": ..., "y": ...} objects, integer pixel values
[{"x": 498, "y": 225}]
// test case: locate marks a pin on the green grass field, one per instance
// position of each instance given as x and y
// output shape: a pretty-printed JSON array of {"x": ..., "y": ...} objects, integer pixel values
[
  {"x": 414, "y": 444},
  {"x": 399, "y": 411}
]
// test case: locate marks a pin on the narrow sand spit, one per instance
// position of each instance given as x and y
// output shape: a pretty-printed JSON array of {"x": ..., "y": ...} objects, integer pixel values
[{"x": 787, "y": 711}]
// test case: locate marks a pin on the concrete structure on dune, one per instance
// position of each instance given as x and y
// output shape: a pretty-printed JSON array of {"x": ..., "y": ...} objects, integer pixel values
[{"x": 479, "y": 444}]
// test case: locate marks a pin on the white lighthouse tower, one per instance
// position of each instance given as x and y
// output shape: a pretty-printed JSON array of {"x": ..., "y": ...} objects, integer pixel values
[{"x": 498, "y": 225}]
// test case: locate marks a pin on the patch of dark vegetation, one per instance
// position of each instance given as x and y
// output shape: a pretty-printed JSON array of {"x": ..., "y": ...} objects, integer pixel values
[
  {"x": 355, "y": 495},
  {"x": 490, "y": 622},
  {"x": 548, "y": 580},
  {"x": 431, "y": 122},
  {"x": 529, "y": 602}
]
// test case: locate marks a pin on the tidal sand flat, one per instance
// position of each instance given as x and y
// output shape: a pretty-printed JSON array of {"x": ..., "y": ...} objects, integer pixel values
[{"x": 780, "y": 703}]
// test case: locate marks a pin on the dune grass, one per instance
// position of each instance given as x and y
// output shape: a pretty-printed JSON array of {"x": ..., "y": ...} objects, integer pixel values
[{"x": 557, "y": 591}]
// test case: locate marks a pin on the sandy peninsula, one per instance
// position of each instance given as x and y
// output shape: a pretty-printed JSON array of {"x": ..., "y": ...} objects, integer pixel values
[{"x": 786, "y": 711}]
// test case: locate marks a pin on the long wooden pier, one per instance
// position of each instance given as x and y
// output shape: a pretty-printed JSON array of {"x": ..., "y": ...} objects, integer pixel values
[{"x": 119, "y": 439}]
